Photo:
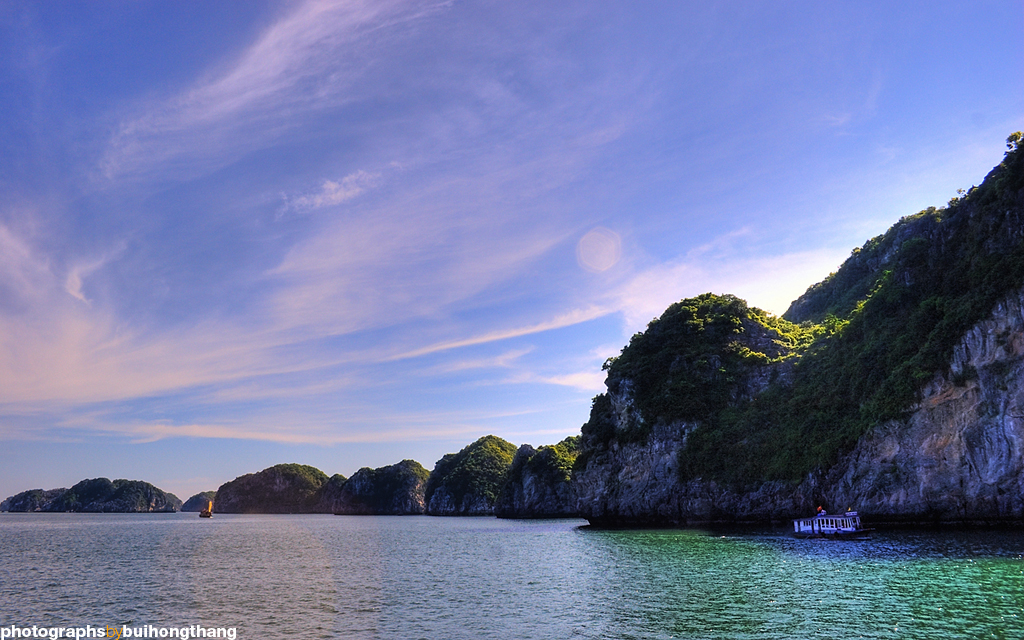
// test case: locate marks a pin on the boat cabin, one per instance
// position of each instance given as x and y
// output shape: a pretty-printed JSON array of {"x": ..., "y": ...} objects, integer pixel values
[{"x": 825, "y": 525}]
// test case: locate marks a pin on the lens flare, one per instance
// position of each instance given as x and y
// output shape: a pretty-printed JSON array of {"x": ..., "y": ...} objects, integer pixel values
[{"x": 599, "y": 250}]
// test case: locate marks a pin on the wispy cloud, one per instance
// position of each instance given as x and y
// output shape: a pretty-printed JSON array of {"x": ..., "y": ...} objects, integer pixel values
[
  {"x": 358, "y": 424},
  {"x": 570, "y": 318},
  {"x": 78, "y": 272},
  {"x": 303, "y": 63},
  {"x": 503, "y": 360},
  {"x": 333, "y": 192},
  {"x": 592, "y": 381},
  {"x": 406, "y": 259},
  {"x": 25, "y": 276}
]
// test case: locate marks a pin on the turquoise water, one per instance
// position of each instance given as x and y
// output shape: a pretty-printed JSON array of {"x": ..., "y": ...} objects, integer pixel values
[{"x": 421, "y": 577}]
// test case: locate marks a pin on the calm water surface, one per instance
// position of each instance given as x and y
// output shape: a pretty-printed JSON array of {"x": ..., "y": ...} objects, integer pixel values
[{"x": 421, "y": 577}]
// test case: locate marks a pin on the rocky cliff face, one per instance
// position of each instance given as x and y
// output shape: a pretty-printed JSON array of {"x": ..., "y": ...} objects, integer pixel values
[
  {"x": 198, "y": 502},
  {"x": 902, "y": 398},
  {"x": 283, "y": 488},
  {"x": 960, "y": 455},
  {"x": 538, "y": 483},
  {"x": 718, "y": 353},
  {"x": 467, "y": 483},
  {"x": 398, "y": 490},
  {"x": 638, "y": 483},
  {"x": 957, "y": 458}
]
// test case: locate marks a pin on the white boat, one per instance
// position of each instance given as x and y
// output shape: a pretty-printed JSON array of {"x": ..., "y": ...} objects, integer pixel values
[{"x": 825, "y": 525}]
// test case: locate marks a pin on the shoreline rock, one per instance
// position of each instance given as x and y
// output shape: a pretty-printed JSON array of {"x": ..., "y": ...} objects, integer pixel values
[
  {"x": 397, "y": 489},
  {"x": 467, "y": 483},
  {"x": 539, "y": 482},
  {"x": 199, "y": 501}
]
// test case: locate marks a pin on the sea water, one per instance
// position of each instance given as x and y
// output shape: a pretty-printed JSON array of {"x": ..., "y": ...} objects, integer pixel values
[{"x": 322, "y": 576}]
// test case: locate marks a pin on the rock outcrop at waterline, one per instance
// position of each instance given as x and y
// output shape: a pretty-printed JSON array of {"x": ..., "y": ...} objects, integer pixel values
[
  {"x": 283, "y": 488},
  {"x": 898, "y": 393},
  {"x": 31, "y": 500},
  {"x": 704, "y": 355},
  {"x": 397, "y": 489},
  {"x": 198, "y": 502},
  {"x": 538, "y": 482},
  {"x": 98, "y": 495},
  {"x": 960, "y": 455},
  {"x": 467, "y": 483}
]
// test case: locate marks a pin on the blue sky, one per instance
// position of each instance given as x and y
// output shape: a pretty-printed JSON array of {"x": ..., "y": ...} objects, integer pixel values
[{"x": 347, "y": 233}]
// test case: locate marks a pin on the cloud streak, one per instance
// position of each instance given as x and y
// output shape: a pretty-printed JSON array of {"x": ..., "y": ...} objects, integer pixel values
[
  {"x": 305, "y": 62},
  {"x": 333, "y": 192},
  {"x": 568, "y": 319}
]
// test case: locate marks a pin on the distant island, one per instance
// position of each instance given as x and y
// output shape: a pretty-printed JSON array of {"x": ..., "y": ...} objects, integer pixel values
[
  {"x": 198, "y": 502},
  {"x": 894, "y": 387},
  {"x": 98, "y": 495}
]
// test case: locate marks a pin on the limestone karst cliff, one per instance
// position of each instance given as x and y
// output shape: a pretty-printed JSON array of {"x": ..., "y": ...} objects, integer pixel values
[
  {"x": 31, "y": 500},
  {"x": 396, "y": 490},
  {"x": 896, "y": 389},
  {"x": 960, "y": 453},
  {"x": 199, "y": 501},
  {"x": 703, "y": 356},
  {"x": 467, "y": 483},
  {"x": 538, "y": 484},
  {"x": 283, "y": 488}
]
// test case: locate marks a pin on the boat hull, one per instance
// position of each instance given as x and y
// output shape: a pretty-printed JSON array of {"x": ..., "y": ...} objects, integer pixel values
[{"x": 862, "y": 534}]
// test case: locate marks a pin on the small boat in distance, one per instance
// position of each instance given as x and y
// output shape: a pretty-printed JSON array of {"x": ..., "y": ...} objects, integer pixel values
[
  {"x": 823, "y": 525},
  {"x": 208, "y": 511}
]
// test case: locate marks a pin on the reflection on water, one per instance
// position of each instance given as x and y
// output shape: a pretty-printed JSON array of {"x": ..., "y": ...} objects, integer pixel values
[{"x": 421, "y": 577}]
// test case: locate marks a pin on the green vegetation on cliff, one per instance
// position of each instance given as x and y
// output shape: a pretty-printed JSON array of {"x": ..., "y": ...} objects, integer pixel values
[
  {"x": 686, "y": 366},
  {"x": 538, "y": 482},
  {"x": 855, "y": 350},
  {"x": 553, "y": 463},
  {"x": 199, "y": 501},
  {"x": 97, "y": 495},
  {"x": 476, "y": 472},
  {"x": 283, "y": 488},
  {"x": 31, "y": 500},
  {"x": 397, "y": 489},
  {"x": 549, "y": 464}
]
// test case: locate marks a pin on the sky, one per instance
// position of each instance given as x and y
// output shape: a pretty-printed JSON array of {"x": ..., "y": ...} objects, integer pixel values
[{"x": 346, "y": 233}]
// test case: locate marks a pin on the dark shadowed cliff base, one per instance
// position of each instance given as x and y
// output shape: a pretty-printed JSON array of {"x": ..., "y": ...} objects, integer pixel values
[{"x": 539, "y": 482}]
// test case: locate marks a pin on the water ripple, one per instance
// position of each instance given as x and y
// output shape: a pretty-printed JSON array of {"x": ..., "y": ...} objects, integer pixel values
[{"x": 419, "y": 577}]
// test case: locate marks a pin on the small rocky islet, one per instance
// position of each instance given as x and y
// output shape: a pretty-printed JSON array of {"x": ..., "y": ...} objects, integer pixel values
[
  {"x": 894, "y": 387},
  {"x": 198, "y": 502}
]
